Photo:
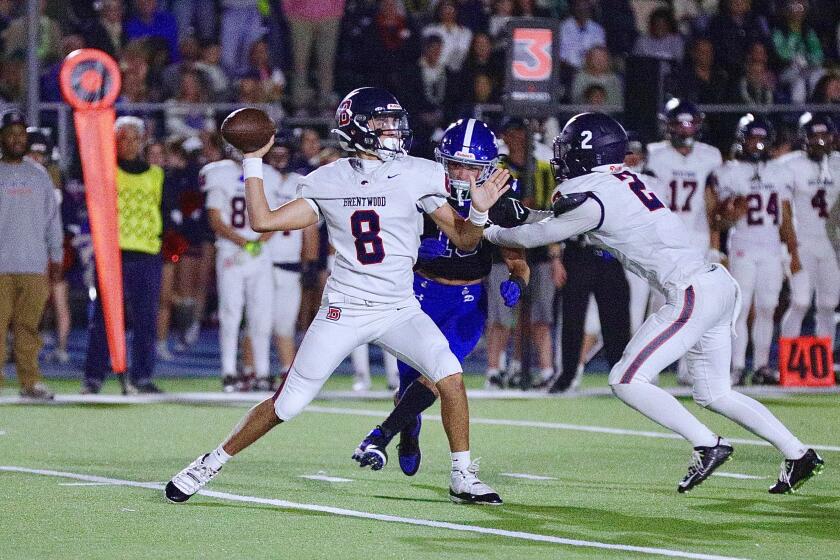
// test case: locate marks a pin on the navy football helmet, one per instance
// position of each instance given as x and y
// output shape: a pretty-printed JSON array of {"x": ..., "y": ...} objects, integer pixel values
[
  {"x": 587, "y": 141},
  {"x": 753, "y": 138},
  {"x": 468, "y": 142},
  {"x": 817, "y": 134},
  {"x": 371, "y": 120},
  {"x": 682, "y": 121}
]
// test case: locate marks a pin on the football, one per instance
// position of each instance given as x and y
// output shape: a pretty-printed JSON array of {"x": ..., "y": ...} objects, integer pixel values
[{"x": 248, "y": 129}]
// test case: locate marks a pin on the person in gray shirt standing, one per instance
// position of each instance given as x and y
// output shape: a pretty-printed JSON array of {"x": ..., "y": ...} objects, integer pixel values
[{"x": 30, "y": 252}]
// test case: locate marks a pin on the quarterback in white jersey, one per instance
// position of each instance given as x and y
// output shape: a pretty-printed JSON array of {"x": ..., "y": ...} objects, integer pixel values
[
  {"x": 372, "y": 204},
  {"x": 760, "y": 191},
  {"x": 243, "y": 269},
  {"x": 614, "y": 209},
  {"x": 683, "y": 165},
  {"x": 816, "y": 185}
]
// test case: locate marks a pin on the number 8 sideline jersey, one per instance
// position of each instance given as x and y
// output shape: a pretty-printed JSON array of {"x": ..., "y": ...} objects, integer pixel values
[
  {"x": 373, "y": 211},
  {"x": 765, "y": 185},
  {"x": 225, "y": 187}
]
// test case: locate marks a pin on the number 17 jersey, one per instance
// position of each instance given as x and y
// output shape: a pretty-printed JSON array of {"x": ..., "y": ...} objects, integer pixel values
[{"x": 374, "y": 216}]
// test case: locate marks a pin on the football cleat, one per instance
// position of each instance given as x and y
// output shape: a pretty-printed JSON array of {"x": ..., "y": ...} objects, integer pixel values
[
  {"x": 494, "y": 382},
  {"x": 795, "y": 472},
  {"x": 409, "y": 447},
  {"x": 704, "y": 461},
  {"x": 190, "y": 480},
  {"x": 765, "y": 376},
  {"x": 229, "y": 384},
  {"x": 264, "y": 384},
  {"x": 371, "y": 451},
  {"x": 466, "y": 488}
]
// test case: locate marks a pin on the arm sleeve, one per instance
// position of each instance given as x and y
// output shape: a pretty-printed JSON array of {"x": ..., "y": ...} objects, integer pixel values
[{"x": 584, "y": 218}]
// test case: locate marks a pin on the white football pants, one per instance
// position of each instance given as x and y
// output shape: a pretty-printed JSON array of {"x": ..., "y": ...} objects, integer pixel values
[
  {"x": 343, "y": 323},
  {"x": 245, "y": 282},
  {"x": 760, "y": 275}
]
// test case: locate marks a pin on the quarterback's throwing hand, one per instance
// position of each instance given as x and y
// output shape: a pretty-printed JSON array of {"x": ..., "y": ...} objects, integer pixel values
[{"x": 488, "y": 193}]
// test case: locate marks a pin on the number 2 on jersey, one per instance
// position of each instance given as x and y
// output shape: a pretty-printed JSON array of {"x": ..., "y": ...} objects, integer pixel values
[
  {"x": 364, "y": 225},
  {"x": 638, "y": 187}
]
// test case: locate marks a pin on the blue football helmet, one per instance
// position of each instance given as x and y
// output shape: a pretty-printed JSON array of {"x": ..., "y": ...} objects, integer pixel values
[
  {"x": 371, "y": 120},
  {"x": 682, "y": 121},
  {"x": 588, "y": 140},
  {"x": 468, "y": 142},
  {"x": 817, "y": 134},
  {"x": 753, "y": 138}
]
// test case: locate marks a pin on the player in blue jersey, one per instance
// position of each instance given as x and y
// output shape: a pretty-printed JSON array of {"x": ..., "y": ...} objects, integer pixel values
[{"x": 448, "y": 284}]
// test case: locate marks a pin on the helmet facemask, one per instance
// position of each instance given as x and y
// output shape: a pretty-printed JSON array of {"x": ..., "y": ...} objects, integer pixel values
[
  {"x": 384, "y": 134},
  {"x": 682, "y": 132},
  {"x": 818, "y": 143},
  {"x": 459, "y": 170}
]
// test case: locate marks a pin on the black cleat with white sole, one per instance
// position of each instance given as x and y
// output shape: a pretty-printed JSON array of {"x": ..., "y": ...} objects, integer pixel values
[
  {"x": 704, "y": 461},
  {"x": 796, "y": 472}
]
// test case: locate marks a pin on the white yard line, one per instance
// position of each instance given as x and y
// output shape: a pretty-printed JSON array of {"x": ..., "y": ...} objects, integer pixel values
[
  {"x": 533, "y": 537},
  {"x": 2, "y": 432},
  {"x": 739, "y": 476},
  {"x": 325, "y": 478},
  {"x": 86, "y": 484},
  {"x": 548, "y": 426},
  {"x": 527, "y": 476}
]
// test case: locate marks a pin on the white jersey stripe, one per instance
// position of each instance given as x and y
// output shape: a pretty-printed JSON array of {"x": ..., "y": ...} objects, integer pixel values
[{"x": 468, "y": 135}]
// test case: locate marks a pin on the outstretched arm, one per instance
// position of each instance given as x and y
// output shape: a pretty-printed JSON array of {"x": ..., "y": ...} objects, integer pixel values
[
  {"x": 584, "y": 218},
  {"x": 296, "y": 214},
  {"x": 466, "y": 234}
]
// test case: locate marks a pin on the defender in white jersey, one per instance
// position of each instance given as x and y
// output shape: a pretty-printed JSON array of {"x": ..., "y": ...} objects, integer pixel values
[
  {"x": 243, "y": 269},
  {"x": 294, "y": 256},
  {"x": 760, "y": 191},
  {"x": 372, "y": 204},
  {"x": 816, "y": 185},
  {"x": 683, "y": 165},
  {"x": 614, "y": 208}
]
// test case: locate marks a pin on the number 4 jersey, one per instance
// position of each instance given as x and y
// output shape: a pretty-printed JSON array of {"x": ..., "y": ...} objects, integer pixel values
[
  {"x": 765, "y": 186},
  {"x": 374, "y": 216},
  {"x": 225, "y": 187}
]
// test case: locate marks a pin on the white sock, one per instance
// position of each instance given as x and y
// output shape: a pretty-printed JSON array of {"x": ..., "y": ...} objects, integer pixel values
[
  {"x": 460, "y": 460},
  {"x": 755, "y": 417},
  {"x": 217, "y": 458},
  {"x": 546, "y": 373},
  {"x": 664, "y": 409}
]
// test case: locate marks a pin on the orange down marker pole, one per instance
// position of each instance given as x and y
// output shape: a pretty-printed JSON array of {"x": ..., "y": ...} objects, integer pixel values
[{"x": 90, "y": 83}]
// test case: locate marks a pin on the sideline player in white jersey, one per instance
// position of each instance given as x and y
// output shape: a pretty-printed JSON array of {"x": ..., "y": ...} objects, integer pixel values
[
  {"x": 294, "y": 256},
  {"x": 759, "y": 191},
  {"x": 243, "y": 269},
  {"x": 816, "y": 185},
  {"x": 372, "y": 204},
  {"x": 683, "y": 165},
  {"x": 614, "y": 208}
]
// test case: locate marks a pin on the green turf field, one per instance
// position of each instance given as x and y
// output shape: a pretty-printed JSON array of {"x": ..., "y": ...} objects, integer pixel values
[{"x": 604, "y": 488}]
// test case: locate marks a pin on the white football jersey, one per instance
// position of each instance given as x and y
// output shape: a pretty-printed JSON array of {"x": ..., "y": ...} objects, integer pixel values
[
  {"x": 284, "y": 246},
  {"x": 683, "y": 182},
  {"x": 624, "y": 216},
  {"x": 765, "y": 185},
  {"x": 373, "y": 211},
  {"x": 225, "y": 186},
  {"x": 816, "y": 186}
]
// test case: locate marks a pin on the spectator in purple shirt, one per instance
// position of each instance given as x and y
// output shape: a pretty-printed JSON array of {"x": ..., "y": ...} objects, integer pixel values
[{"x": 148, "y": 21}]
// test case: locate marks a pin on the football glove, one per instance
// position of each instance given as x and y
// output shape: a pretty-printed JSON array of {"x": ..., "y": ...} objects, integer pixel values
[
  {"x": 430, "y": 249},
  {"x": 253, "y": 248},
  {"x": 511, "y": 290}
]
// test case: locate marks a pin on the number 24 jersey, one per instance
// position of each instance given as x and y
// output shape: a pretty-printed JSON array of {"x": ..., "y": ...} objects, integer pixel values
[
  {"x": 374, "y": 216},
  {"x": 765, "y": 186}
]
